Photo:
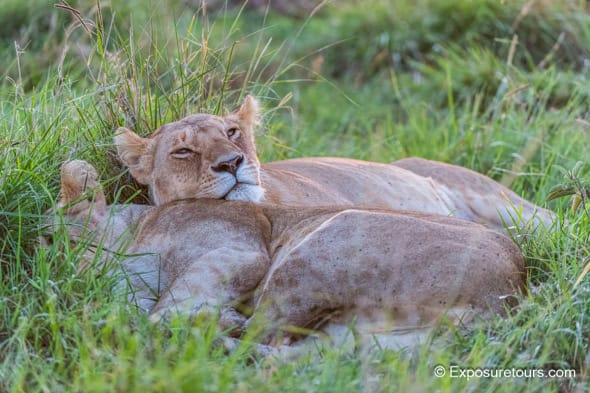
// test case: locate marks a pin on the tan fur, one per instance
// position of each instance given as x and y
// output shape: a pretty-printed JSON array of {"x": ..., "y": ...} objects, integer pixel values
[
  {"x": 304, "y": 267},
  {"x": 411, "y": 184}
]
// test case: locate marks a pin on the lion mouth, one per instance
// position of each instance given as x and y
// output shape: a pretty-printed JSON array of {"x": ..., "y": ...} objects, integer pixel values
[
  {"x": 237, "y": 186},
  {"x": 244, "y": 191}
]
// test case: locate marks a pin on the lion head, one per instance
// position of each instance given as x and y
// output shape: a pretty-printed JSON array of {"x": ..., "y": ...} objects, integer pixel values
[{"x": 200, "y": 156}]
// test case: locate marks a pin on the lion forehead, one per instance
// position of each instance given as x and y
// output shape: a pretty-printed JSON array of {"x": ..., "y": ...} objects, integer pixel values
[
  {"x": 193, "y": 123},
  {"x": 202, "y": 120}
]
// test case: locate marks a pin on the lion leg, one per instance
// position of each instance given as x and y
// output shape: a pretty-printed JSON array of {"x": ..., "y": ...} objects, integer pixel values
[
  {"x": 478, "y": 198},
  {"x": 228, "y": 318}
]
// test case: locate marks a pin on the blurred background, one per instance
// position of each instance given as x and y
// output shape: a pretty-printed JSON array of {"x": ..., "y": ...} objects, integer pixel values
[{"x": 374, "y": 79}]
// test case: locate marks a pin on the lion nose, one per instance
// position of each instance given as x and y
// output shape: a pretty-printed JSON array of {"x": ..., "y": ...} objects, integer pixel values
[{"x": 229, "y": 165}]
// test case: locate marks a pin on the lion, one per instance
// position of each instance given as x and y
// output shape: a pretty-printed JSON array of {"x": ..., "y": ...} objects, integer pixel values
[
  {"x": 207, "y": 156},
  {"x": 304, "y": 267}
]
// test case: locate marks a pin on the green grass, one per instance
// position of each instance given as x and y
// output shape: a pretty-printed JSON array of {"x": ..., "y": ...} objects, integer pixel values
[{"x": 443, "y": 80}]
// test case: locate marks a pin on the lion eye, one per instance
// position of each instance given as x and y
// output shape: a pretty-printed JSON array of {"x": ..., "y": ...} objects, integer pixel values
[
  {"x": 233, "y": 132},
  {"x": 181, "y": 153}
]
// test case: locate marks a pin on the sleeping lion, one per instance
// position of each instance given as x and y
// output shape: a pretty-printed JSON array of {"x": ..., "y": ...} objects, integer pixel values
[
  {"x": 315, "y": 268},
  {"x": 207, "y": 156}
]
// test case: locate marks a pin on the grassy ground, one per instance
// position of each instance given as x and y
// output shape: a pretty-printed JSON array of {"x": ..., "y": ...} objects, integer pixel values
[{"x": 499, "y": 87}]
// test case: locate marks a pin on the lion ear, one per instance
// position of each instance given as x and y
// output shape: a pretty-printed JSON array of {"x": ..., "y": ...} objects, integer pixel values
[
  {"x": 135, "y": 153},
  {"x": 249, "y": 112},
  {"x": 78, "y": 180}
]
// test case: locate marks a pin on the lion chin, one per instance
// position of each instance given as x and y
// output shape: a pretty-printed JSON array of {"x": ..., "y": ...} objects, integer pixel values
[{"x": 246, "y": 193}]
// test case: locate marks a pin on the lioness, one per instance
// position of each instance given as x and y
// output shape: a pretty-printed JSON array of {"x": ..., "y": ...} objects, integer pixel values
[
  {"x": 206, "y": 156},
  {"x": 307, "y": 267}
]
